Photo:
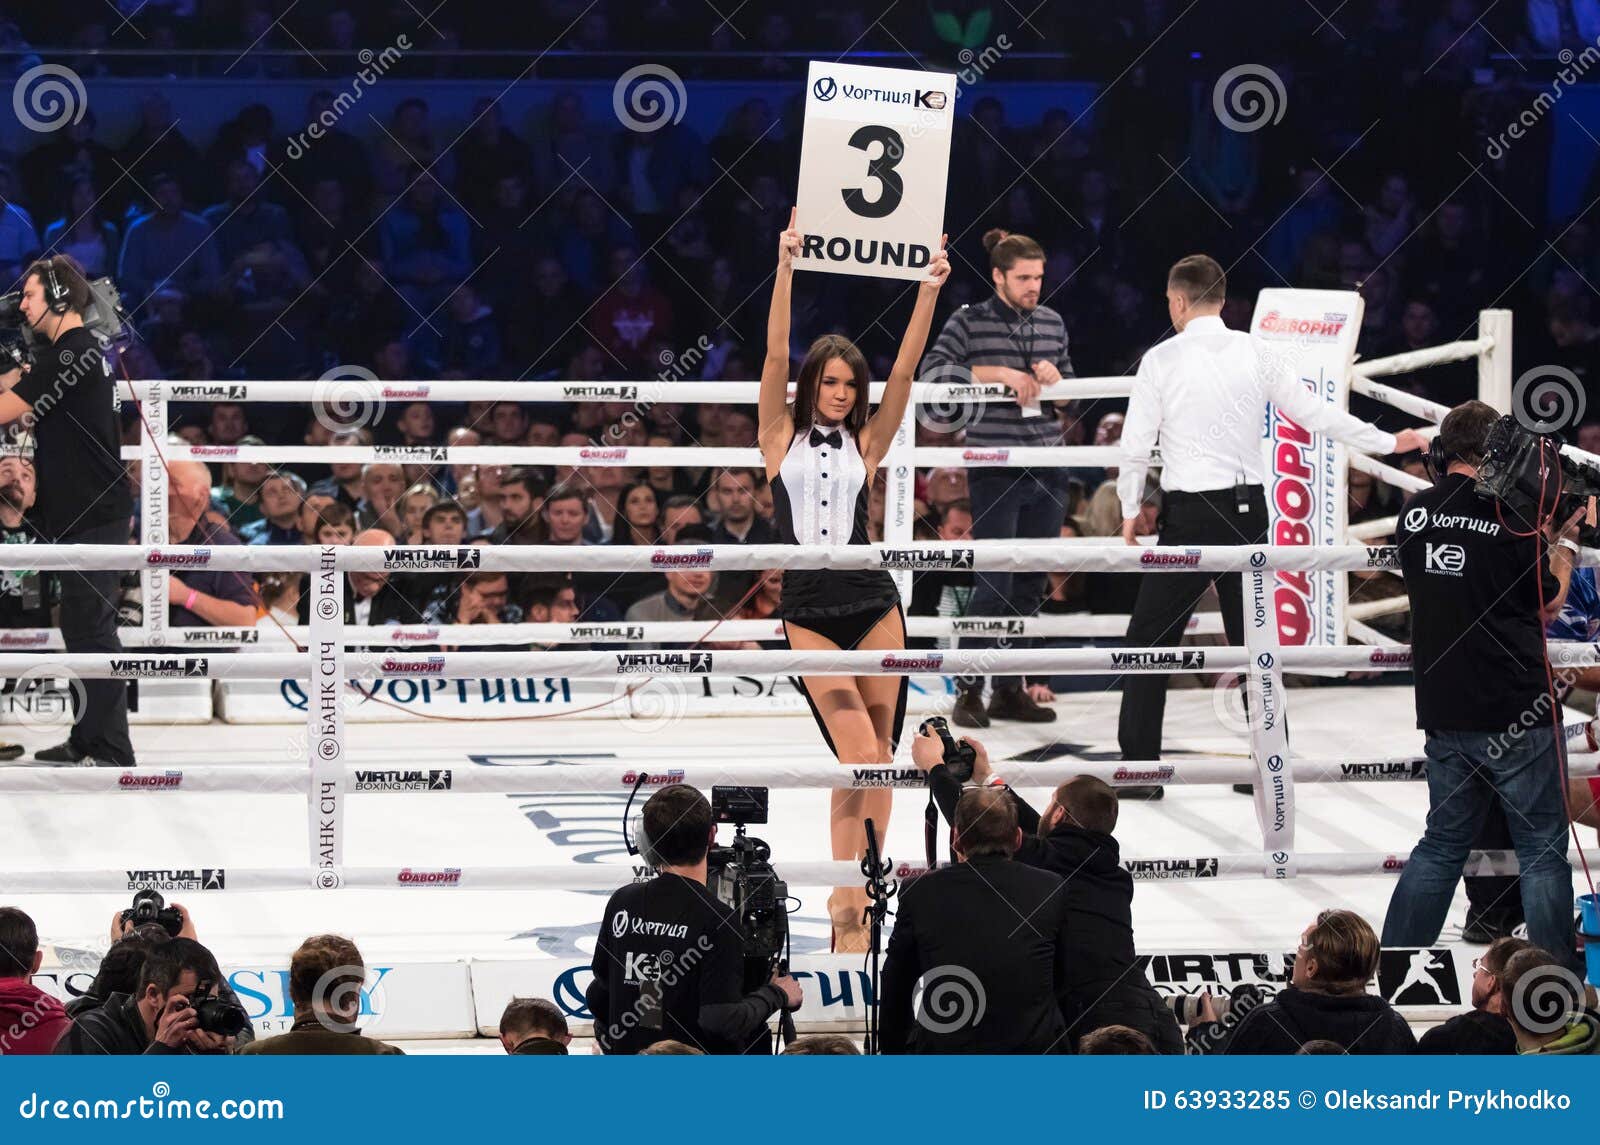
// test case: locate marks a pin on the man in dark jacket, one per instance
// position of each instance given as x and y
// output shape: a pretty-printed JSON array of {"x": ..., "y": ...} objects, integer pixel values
[
  {"x": 1484, "y": 1028},
  {"x": 985, "y": 940},
  {"x": 160, "y": 1017},
  {"x": 31, "y": 1021},
  {"x": 326, "y": 976},
  {"x": 1327, "y": 999},
  {"x": 1106, "y": 984},
  {"x": 534, "y": 1026}
]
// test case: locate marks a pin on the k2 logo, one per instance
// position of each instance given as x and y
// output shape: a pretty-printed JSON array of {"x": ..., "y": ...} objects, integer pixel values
[{"x": 1450, "y": 559}]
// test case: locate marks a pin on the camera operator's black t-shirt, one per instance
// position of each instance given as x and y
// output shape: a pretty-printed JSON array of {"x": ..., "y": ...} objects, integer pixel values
[
  {"x": 78, "y": 442},
  {"x": 675, "y": 931},
  {"x": 1474, "y": 577}
]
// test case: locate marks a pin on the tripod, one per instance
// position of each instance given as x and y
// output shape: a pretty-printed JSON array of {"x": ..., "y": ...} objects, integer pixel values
[{"x": 880, "y": 889}]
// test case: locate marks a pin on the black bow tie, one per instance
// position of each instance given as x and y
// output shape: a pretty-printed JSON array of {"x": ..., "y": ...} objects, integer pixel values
[{"x": 820, "y": 438}]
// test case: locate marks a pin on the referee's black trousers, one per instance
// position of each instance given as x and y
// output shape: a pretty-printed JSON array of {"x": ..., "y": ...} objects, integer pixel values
[
  {"x": 89, "y": 624},
  {"x": 1167, "y": 601}
]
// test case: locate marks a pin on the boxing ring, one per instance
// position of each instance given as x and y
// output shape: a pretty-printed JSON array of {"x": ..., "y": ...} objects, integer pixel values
[{"x": 510, "y": 829}]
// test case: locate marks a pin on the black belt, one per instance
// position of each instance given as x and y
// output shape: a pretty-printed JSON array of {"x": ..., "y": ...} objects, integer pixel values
[{"x": 1208, "y": 496}]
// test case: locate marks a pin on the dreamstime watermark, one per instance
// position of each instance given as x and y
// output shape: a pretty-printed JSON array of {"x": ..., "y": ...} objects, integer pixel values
[
  {"x": 649, "y": 97},
  {"x": 76, "y": 367},
  {"x": 48, "y": 97},
  {"x": 653, "y": 705},
  {"x": 373, "y": 67},
  {"x": 1545, "y": 997},
  {"x": 44, "y": 698},
  {"x": 958, "y": 406},
  {"x": 949, "y": 998},
  {"x": 1573, "y": 66},
  {"x": 1548, "y": 399},
  {"x": 655, "y": 973},
  {"x": 346, "y": 398},
  {"x": 1249, "y": 97}
]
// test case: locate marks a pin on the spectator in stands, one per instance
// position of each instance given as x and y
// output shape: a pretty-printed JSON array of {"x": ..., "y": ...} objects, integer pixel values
[
  {"x": 552, "y": 604},
  {"x": 1115, "y": 1040},
  {"x": 471, "y": 339},
  {"x": 202, "y": 596},
  {"x": 738, "y": 523},
  {"x": 160, "y": 1016},
  {"x": 85, "y": 232},
  {"x": 521, "y": 498},
  {"x": 25, "y": 594},
  {"x": 562, "y": 514},
  {"x": 639, "y": 522},
  {"x": 19, "y": 238},
  {"x": 344, "y": 480},
  {"x": 534, "y": 1026},
  {"x": 169, "y": 247},
  {"x": 604, "y": 484},
  {"x": 370, "y": 597},
  {"x": 944, "y": 932},
  {"x": 326, "y": 981},
  {"x": 476, "y": 598},
  {"x": 412, "y": 505},
  {"x": 680, "y": 511},
  {"x": 280, "y": 498},
  {"x": 444, "y": 523},
  {"x": 381, "y": 485},
  {"x": 689, "y": 595},
  {"x": 334, "y": 524},
  {"x": 1326, "y": 998},
  {"x": 31, "y": 1021},
  {"x": 245, "y": 221},
  {"x": 228, "y": 424},
  {"x": 1484, "y": 1028},
  {"x": 1545, "y": 1008},
  {"x": 425, "y": 243},
  {"x": 1074, "y": 840}
]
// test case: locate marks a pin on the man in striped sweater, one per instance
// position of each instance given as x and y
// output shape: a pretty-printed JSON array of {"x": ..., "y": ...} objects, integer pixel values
[{"x": 1012, "y": 340}]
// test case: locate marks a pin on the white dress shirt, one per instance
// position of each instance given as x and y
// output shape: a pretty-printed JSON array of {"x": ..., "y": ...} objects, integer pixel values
[{"x": 1204, "y": 394}]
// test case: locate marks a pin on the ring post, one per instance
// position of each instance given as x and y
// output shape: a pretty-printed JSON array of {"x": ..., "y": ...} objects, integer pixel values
[
  {"x": 153, "y": 531},
  {"x": 1494, "y": 364},
  {"x": 1269, "y": 737},
  {"x": 325, "y": 720}
]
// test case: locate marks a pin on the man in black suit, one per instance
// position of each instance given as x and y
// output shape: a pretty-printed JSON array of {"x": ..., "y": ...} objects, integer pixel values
[
  {"x": 984, "y": 942},
  {"x": 1106, "y": 984}
]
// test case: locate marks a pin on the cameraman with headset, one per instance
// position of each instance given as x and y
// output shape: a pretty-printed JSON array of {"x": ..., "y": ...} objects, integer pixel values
[
  {"x": 66, "y": 400},
  {"x": 1483, "y": 581},
  {"x": 669, "y": 960}
]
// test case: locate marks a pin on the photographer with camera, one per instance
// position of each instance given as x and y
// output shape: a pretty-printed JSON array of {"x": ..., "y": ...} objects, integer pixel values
[
  {"x": 1483, "y": 579},
  {"x": 65, "y": 398},
  {"x": 1073, "y": 839},
  {"x": 174, "y": 1009},
  {"x": 988, "y": 941},
  {"x": 669, "y": 961}
]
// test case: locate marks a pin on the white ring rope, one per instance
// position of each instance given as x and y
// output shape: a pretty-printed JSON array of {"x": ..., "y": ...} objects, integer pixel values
[
  {"x": 1418, "y": 359},
  {"x": 607, "y": 877},
  {"x": 437, "y": 777}
]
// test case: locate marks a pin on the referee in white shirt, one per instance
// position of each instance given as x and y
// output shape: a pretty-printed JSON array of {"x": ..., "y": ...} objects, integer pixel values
[{"x": 1203, "y": 393}]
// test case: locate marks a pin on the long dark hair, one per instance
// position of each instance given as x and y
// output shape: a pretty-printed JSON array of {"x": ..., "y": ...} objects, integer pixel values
[
  {"x": 823, "y": 351},
  {"x": 624, "y": 532}
]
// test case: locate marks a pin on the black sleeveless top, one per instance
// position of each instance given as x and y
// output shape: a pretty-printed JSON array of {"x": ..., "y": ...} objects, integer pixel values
[{"x": 819, "y": 497}]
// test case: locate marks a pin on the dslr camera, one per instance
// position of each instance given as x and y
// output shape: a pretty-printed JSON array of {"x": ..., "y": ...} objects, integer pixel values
[
  {"x": 959, "y": 758},
  {"x": 149, "y": 907}
]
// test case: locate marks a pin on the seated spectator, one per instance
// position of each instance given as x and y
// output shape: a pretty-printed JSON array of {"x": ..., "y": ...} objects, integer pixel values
[
  {"x": 563, "y": 513},
  {"x": 84, "y": 232},
  {"x": 25, "y": 594},
  {"x": 471, "y": 340},
  {"x": 1115, "y": 1040},
  {"x": 1484, "y": 1028},
  {"x": 534, "y": 1026},
  {"x": 639, "y": 522},
  {"x": 344, "y": 480},
  {"x": 444, "y": 523},
  {"x": 1545, "y": 1010},
  {"x": 425, "y": 243},
  {"x": 689, "y": 595},
  {"x": 19, "y": 238},
  {"x": 160, "y": 1016},
  {"x": 819, "y": 1044},
  {"x": 371, "y": 597},
  {"x": 170, "y": 247},
  {"x": 1327, "y": 998},
  {"x": 311, "y": 506},
  {"x": 381, "y": 485},
  {"x": 279, "y": 593},
  {"x": 335, "y": 525},
  {"x": 417, "y": 425},
  {"x": 31, "y": 1021},
  {"x": 521, "y": 495},
  {"x": 236, "y": 499},
  {"x": 680, "y": 510},
  {"x": 202, "y": 596},
  {"x": 604, "y": 489},
  {"x": 413, "y": 503},
  {"x": 280, "y": 498},
  {"x": 738, "y": 524},
  {"x": 325, "y": 980},
  {"x": 477, "y": 598}
]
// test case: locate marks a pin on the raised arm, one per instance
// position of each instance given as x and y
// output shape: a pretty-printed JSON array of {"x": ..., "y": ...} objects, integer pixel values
[
  {"x": 880, "y": 431},
  {"x": 776, "y": 427}
]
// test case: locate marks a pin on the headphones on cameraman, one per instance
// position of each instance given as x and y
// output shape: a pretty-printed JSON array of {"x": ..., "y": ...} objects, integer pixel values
[
  {"x": 57, "y": 294},
  {"x": 1437, "y": 458}
]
